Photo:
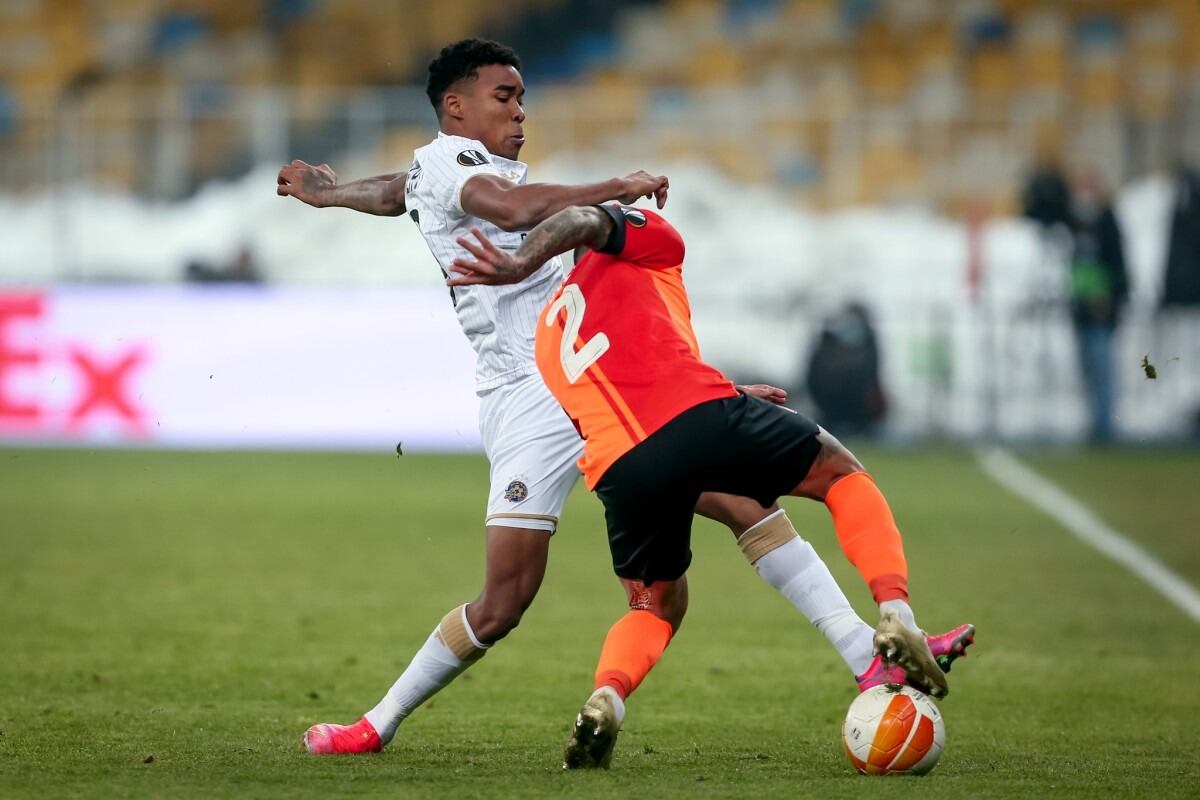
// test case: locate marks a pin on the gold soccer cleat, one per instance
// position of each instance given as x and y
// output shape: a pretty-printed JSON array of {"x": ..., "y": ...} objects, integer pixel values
[
  {"x": 595, "y": 732},
  {"x": 907, "y": 648}
]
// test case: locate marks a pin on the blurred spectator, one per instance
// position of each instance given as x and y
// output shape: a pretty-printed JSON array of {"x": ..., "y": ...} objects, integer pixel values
[
  {"x": 242, "y": 269},
  {"x": 1099, "y": 286},
  {"x": 1047, "y": 200},
  {"x": 1181, "y": 284},
  {"x": 843, "y": 373}
]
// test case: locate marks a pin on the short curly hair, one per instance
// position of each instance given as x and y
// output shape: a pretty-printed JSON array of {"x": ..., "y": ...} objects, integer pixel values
[{"x": 462, "y": 60}]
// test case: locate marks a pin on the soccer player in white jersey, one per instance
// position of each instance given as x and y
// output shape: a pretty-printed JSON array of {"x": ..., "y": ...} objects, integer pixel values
[{"x": 469, "y": 177}]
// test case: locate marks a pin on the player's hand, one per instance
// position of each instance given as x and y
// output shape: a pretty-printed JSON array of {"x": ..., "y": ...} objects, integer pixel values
[
  {"x": 642, "y": 184},
  {"x": 305, "y": 182},
  {"x": 767, "y": 392},
  {"x": 490, "y": 266}
]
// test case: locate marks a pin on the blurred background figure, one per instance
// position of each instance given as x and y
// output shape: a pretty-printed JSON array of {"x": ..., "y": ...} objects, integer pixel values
[
  {"x": 1047, "y": 199},
  {"x": 242, "y": 268},
  {"x": 1099, "y": 287},
  {"x": 843, "y": 373},
  {"x": 1181, "y": 285},
  {"x": 1180, "y": 310}
]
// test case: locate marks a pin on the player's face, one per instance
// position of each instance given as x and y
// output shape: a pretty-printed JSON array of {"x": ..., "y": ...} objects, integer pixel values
[{"x": 493, "y": 112}]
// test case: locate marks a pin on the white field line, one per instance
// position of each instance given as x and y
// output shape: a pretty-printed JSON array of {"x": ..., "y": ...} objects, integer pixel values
[{"x": 1002, "y": 467}]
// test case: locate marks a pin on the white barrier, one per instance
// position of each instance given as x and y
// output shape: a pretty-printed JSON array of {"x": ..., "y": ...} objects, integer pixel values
[
  {"x": 233, "y": 367},
  {"x": 236, "y": 367}
]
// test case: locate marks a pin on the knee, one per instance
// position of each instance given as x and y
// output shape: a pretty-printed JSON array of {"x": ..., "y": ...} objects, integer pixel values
[
  {"x": 842, "y": 463},
  {"x": 832, "y": 464},
  {"x": 736, "y": 513},
  {"x": 494, "y": 617},
  {"x": 668, "y": 601}
]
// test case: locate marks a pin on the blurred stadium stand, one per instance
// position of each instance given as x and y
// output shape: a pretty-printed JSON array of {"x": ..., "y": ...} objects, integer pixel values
[
  {"x": 823, "y": 152},
  {"x": 844, "y": 101}
]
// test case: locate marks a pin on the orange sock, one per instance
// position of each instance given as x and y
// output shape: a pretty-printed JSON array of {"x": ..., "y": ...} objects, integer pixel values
[
  {"x": 869, "y": 536},
  {"x": 631, "y": 649}
]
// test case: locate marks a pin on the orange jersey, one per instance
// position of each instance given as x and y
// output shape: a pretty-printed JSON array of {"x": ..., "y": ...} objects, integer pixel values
[{"x": 615, "y": 345}]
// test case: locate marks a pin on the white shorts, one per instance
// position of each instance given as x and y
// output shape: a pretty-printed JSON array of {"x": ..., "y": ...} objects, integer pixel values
[{"x": 533, "y": 449}]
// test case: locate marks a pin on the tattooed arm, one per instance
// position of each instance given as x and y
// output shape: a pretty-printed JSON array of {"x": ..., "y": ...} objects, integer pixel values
[
  {"x": 585, "y": 226},
  {"x": 318, "y": 187}
]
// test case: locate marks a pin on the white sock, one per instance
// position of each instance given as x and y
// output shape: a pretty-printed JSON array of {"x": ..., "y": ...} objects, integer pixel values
[
  {"x": 432, "y": 668},
  {"x": 901, "y": 609},
  {"x": 618, "y": 703},
  {"x": 801, "y": 576}
]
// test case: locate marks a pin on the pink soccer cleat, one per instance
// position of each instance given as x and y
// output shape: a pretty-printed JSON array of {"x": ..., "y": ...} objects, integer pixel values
[
  {"x": 325, "y": 738},
  {"x": 879, "y": 673},
  {"x": 945, "y": 647},
  {"x": 949, "y": 646}
]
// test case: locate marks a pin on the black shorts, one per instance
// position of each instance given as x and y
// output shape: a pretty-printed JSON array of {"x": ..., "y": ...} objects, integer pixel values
[{"x": 739, "y": 445}]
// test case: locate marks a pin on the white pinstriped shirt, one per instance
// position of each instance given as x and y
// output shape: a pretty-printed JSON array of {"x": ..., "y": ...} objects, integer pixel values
[{"x": 498, "y": 320}]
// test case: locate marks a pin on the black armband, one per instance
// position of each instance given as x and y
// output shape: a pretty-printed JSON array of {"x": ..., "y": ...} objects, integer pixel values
[{"x": 616, "y": 239}]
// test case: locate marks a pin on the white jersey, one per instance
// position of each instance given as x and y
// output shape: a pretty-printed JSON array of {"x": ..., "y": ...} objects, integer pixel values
[{"x": 498, "y": 320}]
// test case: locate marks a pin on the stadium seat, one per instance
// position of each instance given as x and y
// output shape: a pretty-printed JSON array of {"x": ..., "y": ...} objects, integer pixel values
[{"x": 993, "y": 75}]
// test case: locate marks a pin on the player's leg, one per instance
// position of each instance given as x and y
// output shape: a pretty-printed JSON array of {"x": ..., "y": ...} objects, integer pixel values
[
  {"x": 532, "y": 449},
  {"x": 790, "y": 564},
  {"x": 871, "y": 541},
  {"x": 634, "y": 644},
  {"x": 648, "y": 499},
  {"x": 516, "y": 563},
  {"x": 764, "y": 451}
]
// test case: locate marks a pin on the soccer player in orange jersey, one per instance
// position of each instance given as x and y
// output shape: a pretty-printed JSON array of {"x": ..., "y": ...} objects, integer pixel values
[{"x": 616, "y": 348}]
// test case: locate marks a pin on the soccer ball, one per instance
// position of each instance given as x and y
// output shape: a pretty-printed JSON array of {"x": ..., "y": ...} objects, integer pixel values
[{"x": 892, "y": 730}]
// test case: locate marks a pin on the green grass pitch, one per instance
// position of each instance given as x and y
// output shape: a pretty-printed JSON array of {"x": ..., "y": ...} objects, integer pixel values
[{"x": 171, "y": 623}]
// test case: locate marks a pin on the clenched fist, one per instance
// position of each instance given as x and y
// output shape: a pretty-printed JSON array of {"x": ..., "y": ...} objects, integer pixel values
[
  {"x": 643, "y": 184},
  {"x": 305, "y": 182}
]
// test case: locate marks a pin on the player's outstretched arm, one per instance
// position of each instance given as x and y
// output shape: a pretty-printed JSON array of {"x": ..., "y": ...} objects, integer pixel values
[
  {"x": 514, "y": 207},
  {"x": 573, "y": 227},
  {"x": 317, "y": 186}
]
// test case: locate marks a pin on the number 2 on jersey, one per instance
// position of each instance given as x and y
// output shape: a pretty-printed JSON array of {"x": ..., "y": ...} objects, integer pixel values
[{"x": 575, "y": 362}]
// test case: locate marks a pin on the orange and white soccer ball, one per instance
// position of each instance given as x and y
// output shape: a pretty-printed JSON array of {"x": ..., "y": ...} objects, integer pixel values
[{"x": 893, "y": 730}]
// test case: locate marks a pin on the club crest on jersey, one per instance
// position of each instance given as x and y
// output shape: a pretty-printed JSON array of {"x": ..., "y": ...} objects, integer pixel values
[
  {"x": 471, "y": 158},
  {"x": 634, "y": 217},
  {"x": 516, "y": 491}
]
